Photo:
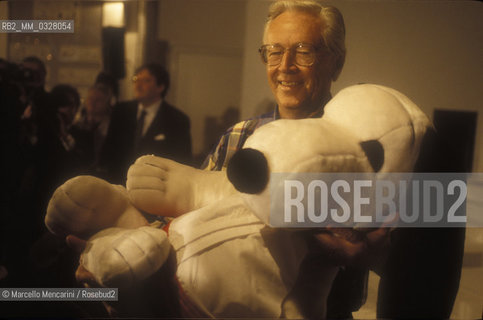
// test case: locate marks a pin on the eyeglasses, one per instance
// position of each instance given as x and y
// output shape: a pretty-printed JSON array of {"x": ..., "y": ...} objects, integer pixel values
[{"x": 305, "y": 54}]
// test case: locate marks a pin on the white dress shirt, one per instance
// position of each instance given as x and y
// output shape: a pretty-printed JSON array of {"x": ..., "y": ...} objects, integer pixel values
[{"x": 151, "y": 111}]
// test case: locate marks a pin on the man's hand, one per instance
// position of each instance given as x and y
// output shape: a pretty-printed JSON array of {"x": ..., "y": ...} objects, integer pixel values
[
  {"x": 353, "y": 247},
  {"x": 75, "y": 243},
  {"x": 3, "y": 272},
  {"x": 153, "y": 297},
  {"x": 82, "y": 275}
]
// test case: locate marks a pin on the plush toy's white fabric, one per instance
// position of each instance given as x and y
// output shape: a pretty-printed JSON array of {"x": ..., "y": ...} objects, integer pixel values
[
  {"x": 230, "y": 263},
  {"x": 121, "y": 257},
  {"x": 297, "y": 146},
  {"x": 332, "y": 144},
  {"x": 373, "y": 112}
]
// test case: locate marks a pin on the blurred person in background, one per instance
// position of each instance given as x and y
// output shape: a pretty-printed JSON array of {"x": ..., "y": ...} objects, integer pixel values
[
  {"x": 146, "y": 125},
  {"x": 106, "y": 80},
  {"x": 56, "y": 156},
  {"x": 90, "y": 128}
]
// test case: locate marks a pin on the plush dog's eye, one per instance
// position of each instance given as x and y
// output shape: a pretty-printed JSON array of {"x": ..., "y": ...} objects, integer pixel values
[{"x": 374, "y": 152}]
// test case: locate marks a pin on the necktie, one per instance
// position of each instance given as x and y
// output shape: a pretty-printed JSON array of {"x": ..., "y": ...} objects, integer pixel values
[{"x": 140, "y": 126}]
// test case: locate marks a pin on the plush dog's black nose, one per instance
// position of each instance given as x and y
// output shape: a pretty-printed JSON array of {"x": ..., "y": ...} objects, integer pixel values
[{"x": 248, "y": 171}]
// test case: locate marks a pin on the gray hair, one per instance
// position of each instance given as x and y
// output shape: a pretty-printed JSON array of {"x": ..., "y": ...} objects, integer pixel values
[{"x": 333, "y": 27}]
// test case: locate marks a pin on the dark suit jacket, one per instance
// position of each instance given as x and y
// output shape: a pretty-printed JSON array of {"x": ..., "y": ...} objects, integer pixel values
[{"x": 168, "y": 136}]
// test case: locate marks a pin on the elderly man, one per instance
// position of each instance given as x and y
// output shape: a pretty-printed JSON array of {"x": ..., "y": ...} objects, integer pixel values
[{"x": 304, "y": 52}]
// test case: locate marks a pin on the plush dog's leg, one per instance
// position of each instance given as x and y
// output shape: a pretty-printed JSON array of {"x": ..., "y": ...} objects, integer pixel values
[
  {"x": 84, "y": 205},
  {"x": 164, "y": 187},
  {"x": 140, "y": 294},
  {"x": 119, "y": 257}
]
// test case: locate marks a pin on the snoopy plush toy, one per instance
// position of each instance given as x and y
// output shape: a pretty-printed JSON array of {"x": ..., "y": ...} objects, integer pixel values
[{"x": 230, "y": 261}]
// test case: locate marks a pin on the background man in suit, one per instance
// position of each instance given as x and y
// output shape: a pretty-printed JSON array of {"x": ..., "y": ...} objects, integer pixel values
[{"x": 147, "y": 125}]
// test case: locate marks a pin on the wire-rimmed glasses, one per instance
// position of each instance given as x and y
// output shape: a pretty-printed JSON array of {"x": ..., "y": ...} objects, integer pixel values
[{"x": 304, "y": 53}]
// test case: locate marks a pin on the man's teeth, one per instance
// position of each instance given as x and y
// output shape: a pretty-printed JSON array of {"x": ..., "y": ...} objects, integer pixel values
[{"x": 289, "y": 83}]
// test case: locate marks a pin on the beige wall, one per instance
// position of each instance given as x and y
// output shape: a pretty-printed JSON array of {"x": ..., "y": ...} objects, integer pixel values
[
  {"x": 429, "y": 50},
  {"x": 205, "y": 55},
  {"x": 202, "y": 22},
  {"x": 256, "y": 96}
]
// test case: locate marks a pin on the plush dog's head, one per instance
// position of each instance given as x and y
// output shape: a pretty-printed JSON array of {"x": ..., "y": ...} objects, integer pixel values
[{"x": 365, "y": 128}]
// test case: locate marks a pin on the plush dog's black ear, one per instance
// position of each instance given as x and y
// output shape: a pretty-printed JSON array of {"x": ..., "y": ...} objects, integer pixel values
[
  {"x": 374, "y": 152},
  {"x": 248, "y": 171}
]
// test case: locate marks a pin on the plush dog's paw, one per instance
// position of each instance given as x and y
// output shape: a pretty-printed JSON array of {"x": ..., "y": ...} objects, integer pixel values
[
  {"x": 153, "y": 186},
  {"x": 164, "y": 187},
  {"x": 84, "y": 205},
  {"x": 121, "y": 257}
]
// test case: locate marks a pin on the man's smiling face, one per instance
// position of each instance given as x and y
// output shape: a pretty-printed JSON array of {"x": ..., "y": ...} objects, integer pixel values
[{"x": 299, "y": 90}]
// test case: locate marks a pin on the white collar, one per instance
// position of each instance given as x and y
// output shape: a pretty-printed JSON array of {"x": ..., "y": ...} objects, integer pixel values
[{"x": 150, "y": 109}]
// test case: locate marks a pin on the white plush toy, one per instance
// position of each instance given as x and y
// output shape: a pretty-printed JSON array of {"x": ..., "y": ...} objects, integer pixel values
[{"x": 230, "y": 262}]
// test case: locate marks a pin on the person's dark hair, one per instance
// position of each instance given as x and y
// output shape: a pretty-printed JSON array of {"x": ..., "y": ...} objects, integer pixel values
[
  {"x": 158, "y": 72},
  {"x": 64, "y": 95},
  {"x": 107, "y": 84},
  {"x": 38, "y": 62},
  {"x": 106, "y": 79}
]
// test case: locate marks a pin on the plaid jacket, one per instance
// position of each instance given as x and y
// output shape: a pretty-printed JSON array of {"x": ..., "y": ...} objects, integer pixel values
[{"x": 234, "y": 139}]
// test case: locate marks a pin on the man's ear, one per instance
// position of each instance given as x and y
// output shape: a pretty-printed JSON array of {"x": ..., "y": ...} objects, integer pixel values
[
  {"x": 248, "y": 171},
  {"x": 374, "y": 152},
  {"x": 336, "y": 66}
]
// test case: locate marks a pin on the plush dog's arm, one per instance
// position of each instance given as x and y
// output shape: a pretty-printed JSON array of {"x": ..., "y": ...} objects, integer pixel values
[{"x": 164, "y": 187}]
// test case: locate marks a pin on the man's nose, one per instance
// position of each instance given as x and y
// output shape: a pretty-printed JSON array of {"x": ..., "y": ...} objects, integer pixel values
[{"x": 288, "y": 61}]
